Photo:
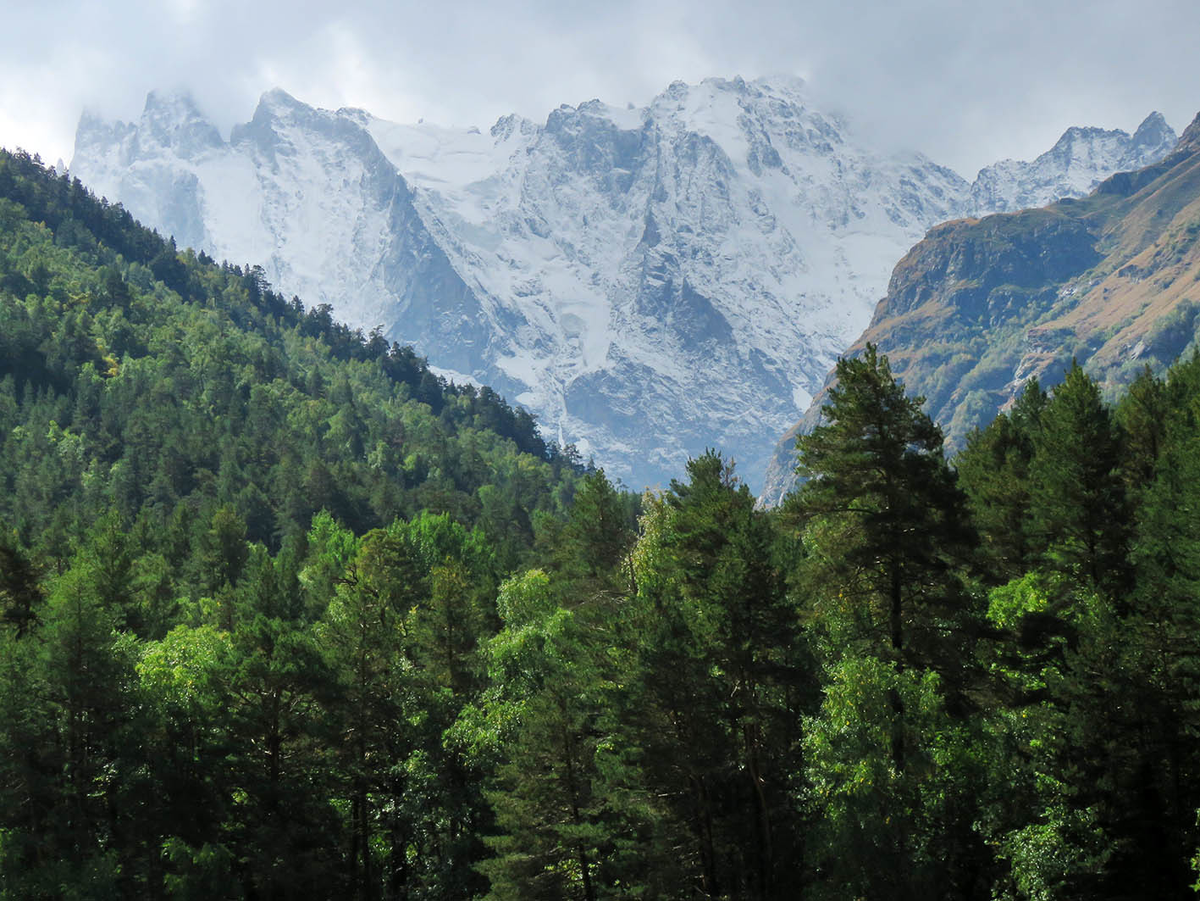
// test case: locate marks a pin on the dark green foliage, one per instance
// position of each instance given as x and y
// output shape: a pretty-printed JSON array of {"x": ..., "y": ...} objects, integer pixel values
[
  {"x": 135, "y": 384},
  {"x": 20, "y": 589},
  {"x": 878, "y": 479},
  {"x": 1090, "y": 629},
  {"x": 283, "y": 615},
  {"x": 994, "y": 472},
  {"x": 597, "y": 536},
  {"x": 1143, "y": 415},
  {"x": 567, "y": 800},
  {"x": 725, "y": 677},
  {"x": 181, "y": 670},
  {"x": 1078, "y": 506},
  {"x": 889, "y": 532}
]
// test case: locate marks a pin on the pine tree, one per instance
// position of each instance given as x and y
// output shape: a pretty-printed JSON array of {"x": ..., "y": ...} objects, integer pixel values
[
  {"x": 1078, "y": 506},
  {"x": 993, "y": 471},
  {"x": 1143, "y": 415},
  {"x": 598, "y": 528},
  {"x": 886, "y": 530},
  {"x": 876, "y": 474},
  {"x": 20, "y": 594},
  {"x": 362, "y": 636},
  {"x": 723, "y": 679},
  {"x": 571, "y": 821}
]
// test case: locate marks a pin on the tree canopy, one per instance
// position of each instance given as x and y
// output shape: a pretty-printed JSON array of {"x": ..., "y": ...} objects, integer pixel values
[{"x": 284, "y": 615}]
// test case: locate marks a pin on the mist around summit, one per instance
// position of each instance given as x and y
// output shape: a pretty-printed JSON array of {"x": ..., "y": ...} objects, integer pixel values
[{"x": 648, "y": 282}]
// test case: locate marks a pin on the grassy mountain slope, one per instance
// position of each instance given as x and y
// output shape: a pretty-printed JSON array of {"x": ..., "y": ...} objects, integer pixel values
[{"x": 980, "y": 306}]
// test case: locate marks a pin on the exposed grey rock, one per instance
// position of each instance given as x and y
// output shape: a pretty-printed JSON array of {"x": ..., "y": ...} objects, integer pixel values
[{"x": 649, "y": 282}]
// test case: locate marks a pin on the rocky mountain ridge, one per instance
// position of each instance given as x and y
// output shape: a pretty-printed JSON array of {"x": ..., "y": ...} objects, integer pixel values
[
  {"x": 648, "y": 281},
  {"x": 982, "y": 305}
]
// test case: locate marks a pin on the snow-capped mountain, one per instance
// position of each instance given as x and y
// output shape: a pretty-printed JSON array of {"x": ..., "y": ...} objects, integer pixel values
[
  {"x": 648, "y": 281},
  {"x": 1080, "y": 160}
]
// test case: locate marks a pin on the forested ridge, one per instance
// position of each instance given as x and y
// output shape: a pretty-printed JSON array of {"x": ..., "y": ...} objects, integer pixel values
[{"x": 286, "y": 616}]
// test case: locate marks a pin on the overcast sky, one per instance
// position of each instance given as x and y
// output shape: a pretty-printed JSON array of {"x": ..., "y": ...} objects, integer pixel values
[{"x": 964, "y": 81}]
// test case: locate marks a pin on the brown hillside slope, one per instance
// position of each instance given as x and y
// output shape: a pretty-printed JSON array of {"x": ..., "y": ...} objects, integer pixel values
[{"x": 982, "y": 305}]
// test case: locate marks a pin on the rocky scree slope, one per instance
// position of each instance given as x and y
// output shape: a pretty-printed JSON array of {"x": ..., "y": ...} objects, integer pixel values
[
  {"x": 647, "y": 281},
  {"x": 980, "y": 306}
]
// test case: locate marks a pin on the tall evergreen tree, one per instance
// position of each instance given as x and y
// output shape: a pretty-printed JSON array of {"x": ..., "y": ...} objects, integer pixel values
[
  {"x": 568, "y": 807},
  {"x": 886, "y": 528},
  {"x": 723, "y": 681},
  {"x": 876, "y": 474},
  {"x": 993, "y": 471},
  {"x": 1079, "y": 508}
]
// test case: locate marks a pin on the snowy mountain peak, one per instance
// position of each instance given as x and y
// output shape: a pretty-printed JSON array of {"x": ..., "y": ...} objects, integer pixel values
[
  {"x": 1154, "y": 133},
  {"x": 783, "y": 81},
  {"x": 277, "y": 111},
  {"x": 1153, "y": 137},
  {"x": 173, "y": 122},
  {"x": 171, "y": 106},
  {"x": 96, "y": 136},
  {"x": 649, "y": 281},
  {"x": 279, "y": 104},
  {"x": 1078, "y": 161},
  {"x": 356, "y": 114}
]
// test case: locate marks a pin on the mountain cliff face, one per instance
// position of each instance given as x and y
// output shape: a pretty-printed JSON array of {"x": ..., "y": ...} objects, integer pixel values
[
  {"x": 982, "y": 305},
  {"x": 648, "y": 281},
  {"x": 1080, "y": 160}
]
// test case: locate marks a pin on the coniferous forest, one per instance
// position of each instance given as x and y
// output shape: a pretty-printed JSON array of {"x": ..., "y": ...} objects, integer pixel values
[{"x": 285, "y": 615}]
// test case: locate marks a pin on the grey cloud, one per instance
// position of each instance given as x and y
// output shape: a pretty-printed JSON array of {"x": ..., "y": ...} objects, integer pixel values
[{"x": 965, "y": 82}]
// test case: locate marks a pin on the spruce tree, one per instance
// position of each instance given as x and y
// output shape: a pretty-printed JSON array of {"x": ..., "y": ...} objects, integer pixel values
[
  {"x": 886, "y": 531},
  {"x": 723, "y": 681},
  {"x": 877, "y": 466},
  {"x": 993, "y": 471},
  {"x": 1078, "y": 505}
]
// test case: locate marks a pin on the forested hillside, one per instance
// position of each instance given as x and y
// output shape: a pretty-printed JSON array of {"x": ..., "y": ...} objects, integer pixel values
[
  {"x": 284, "y": 616},
  {"x": 138, "y": 377}
]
